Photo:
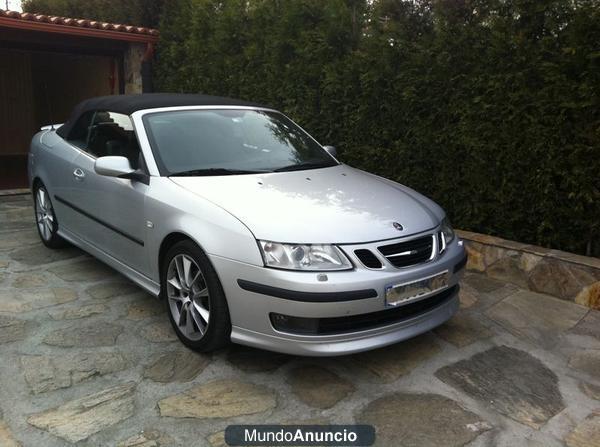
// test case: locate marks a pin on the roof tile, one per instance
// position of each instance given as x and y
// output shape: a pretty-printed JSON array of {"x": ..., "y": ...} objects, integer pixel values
[{"x": 82, "y": 23}]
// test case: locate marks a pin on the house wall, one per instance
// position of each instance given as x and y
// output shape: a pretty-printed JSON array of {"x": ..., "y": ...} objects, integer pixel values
[
  {"x": 45, "y": 73},
  {"x": 16, "y": 102},
  {"x": 64, "y": 80},
  {"x": 40, "y": 88}
]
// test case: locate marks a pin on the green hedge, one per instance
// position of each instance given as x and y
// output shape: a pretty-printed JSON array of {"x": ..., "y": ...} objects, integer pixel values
[{"x": 489, "y": 107}]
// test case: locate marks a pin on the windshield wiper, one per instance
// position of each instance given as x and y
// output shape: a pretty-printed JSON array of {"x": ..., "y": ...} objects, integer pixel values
[
  {"x": 305, "y": 165},
  {"x": 213, "y": 171}
]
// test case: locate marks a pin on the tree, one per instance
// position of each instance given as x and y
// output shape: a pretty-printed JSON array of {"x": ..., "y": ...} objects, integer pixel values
[{"x": 490, "y": 107}]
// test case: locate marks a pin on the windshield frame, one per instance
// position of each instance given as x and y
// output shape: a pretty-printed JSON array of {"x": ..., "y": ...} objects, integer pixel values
[{"x": 141, "y": 117}]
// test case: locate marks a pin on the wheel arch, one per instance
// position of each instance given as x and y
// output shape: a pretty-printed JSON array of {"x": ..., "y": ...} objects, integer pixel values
[
  {"x": 168, "y": 241},
  {"x": 37, "y": 181}
]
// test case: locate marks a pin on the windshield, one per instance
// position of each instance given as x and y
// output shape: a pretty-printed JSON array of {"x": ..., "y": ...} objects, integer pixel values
[{"x": 221, "y": 142}]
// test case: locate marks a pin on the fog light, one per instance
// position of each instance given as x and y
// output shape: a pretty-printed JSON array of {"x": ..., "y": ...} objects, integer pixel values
[
  {"x": 279, "y": 318},
  {"x": 296, "y": 325}
]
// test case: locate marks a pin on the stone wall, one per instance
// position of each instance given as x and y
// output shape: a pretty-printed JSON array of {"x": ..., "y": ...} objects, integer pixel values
[
  {"x": 133, "y": 67},
  {"x": 564, "y": 275}
]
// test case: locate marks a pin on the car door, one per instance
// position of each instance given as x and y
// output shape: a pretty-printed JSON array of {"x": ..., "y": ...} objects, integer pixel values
[{"x": 113, "y": 207}]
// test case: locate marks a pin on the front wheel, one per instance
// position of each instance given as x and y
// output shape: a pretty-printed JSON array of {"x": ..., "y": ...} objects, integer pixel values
[
  {"x": 45, "y": 218},
  {"x": 194, "y": 298}
]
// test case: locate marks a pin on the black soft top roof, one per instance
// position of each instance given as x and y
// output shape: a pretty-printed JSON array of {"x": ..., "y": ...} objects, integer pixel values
[{"x": 127, "y": 104}]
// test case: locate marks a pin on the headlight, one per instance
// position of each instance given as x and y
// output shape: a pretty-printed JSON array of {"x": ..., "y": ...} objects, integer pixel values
[
  {"x": 447, "y": 233},
  {"x": 303, "y": 257}
]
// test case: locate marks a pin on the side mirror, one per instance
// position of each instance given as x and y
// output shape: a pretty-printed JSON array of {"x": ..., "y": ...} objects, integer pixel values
[
  {"x": 331, "y": 150},
  {"x": 113, "y": 166}
]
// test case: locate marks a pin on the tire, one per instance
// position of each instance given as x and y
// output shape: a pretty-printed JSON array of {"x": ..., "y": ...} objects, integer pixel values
[
  {"x": 45, "y": 218},
  {"x": 194, "y": 298}
]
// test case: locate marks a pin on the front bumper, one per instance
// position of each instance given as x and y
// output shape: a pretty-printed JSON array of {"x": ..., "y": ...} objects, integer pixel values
[{"x": 250, "y": 311}]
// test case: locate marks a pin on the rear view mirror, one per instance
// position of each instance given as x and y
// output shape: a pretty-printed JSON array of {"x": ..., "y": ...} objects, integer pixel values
[{"x": 331, "y": 150}]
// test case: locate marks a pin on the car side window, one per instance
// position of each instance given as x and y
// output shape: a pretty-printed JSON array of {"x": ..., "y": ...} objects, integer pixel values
[
  {"x": 112, "y": 134},
  {"x": 79, "y": 133}
]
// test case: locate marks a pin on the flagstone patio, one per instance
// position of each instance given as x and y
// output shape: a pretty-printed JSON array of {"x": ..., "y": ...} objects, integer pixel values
[{"x": 89, "y": 358}]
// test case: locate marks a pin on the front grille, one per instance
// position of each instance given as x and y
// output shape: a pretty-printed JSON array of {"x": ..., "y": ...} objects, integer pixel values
[
  {"x": 441, "y": 242},
  {"x": 354, "y": 323},
  {"x": 368, "y": 259},
  {"x": 405, "y": 254}
]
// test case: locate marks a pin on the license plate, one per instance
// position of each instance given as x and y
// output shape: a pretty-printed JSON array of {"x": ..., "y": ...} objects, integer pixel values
[{"x": 402, "y": 293}]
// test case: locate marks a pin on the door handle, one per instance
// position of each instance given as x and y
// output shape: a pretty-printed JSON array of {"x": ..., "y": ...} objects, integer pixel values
[{"x": 78, "y": 174}]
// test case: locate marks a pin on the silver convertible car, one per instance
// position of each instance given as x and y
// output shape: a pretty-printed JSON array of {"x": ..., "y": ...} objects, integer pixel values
[{"x": 247, "y": 228}]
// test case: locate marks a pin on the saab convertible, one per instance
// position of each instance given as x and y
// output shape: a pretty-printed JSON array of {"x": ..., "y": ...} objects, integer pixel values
[{"x": 247, "y": 228}]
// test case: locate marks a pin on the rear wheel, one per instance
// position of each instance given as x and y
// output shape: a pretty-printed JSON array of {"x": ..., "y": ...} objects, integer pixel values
[
  {"x": 45, "y": 218},
  {"x": 195, "y": 299}
]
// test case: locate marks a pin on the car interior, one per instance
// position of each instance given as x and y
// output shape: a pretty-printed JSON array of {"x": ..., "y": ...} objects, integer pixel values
[
  {"x": 109, "y": 134},
  {"x": 112, "y": 134}
]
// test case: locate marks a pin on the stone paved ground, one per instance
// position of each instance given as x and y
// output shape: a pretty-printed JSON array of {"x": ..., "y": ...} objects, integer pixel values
[{"x": 86, "y": 357}]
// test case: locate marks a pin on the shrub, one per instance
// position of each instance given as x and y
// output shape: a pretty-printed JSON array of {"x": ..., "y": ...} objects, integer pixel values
[{"x": 491, "y": 107}]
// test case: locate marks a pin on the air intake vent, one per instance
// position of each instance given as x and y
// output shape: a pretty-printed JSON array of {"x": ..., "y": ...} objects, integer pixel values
[
  {"x": 405, "y": 254},
  {"x": 368, "y": 258}
]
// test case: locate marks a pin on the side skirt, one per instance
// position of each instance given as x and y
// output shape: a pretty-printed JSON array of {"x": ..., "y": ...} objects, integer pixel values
[{"x": 141, "y": 280}]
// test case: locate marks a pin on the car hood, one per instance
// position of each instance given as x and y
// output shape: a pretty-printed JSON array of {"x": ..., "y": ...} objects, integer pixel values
[{"x": 339, "y": 204}]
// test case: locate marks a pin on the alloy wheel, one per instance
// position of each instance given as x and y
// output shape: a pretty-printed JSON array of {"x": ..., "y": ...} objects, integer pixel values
[
  {"x": 44, "y": 214},
  {"x": 189, "y": 299}
]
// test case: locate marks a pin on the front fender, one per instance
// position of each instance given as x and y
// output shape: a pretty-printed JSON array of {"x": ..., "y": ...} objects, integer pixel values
[{"x": 172, "y": 209}]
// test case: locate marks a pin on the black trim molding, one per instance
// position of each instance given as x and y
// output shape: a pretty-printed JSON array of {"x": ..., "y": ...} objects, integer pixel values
[
  {"x": 101, "y": 222},
  {"x": 309, "y": 297},
  {"x": 361, "y": 322}
]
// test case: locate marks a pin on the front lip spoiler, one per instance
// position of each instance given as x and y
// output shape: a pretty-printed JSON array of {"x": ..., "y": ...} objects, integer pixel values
[
  {"x": 335, "y": 345},
  {"x": 308, "y": 297}
]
